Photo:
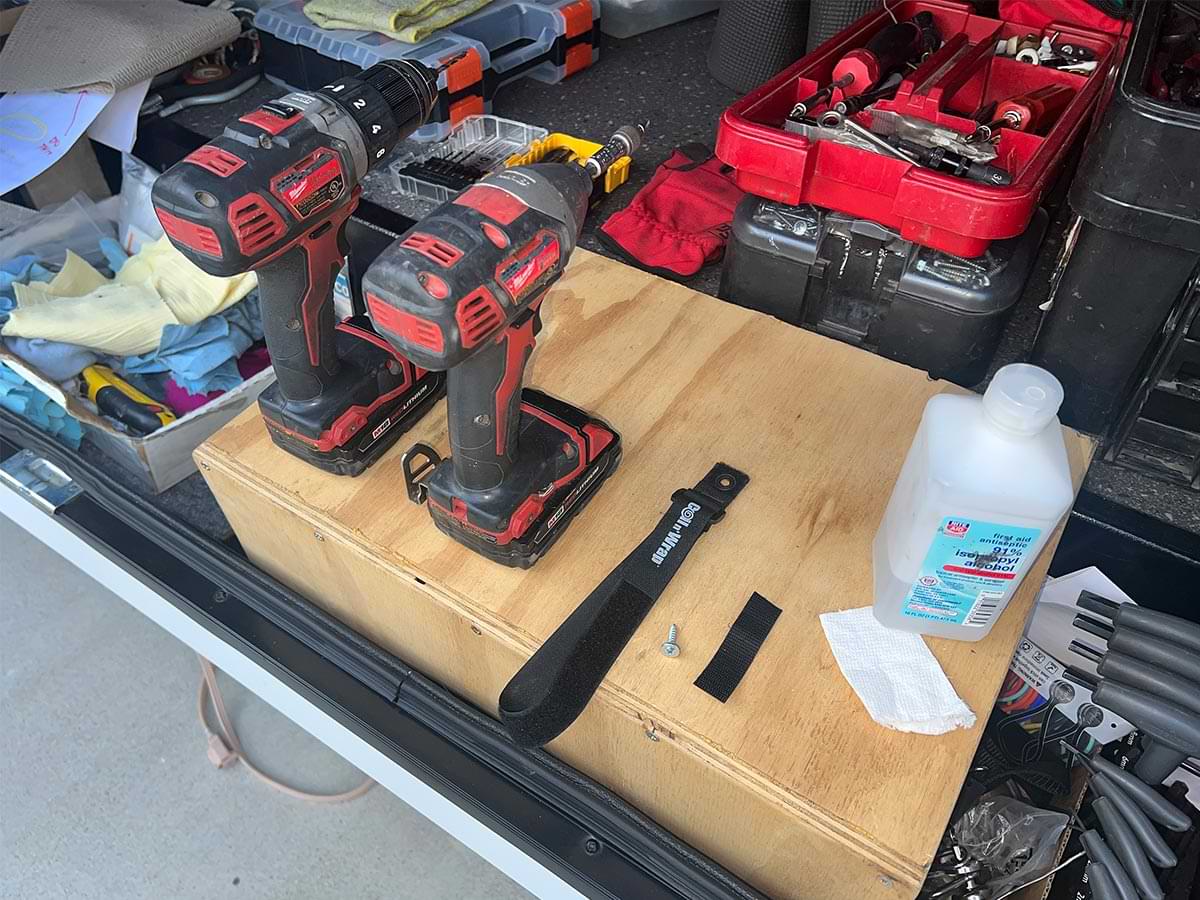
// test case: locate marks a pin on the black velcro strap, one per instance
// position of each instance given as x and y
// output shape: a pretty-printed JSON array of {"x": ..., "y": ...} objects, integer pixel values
[
  {"x": 550, "y": 691},
  {"x": 725, "y": 670}
]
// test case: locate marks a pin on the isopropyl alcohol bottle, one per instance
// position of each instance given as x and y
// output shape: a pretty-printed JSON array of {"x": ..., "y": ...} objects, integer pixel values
[{"x": 984, "y": 485}]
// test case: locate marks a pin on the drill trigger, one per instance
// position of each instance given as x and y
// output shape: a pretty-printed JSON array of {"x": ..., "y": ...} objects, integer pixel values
[{"x": 413, "y": 486}]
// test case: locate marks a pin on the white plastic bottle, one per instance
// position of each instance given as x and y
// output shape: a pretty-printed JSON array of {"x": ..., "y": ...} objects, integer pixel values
[{"x": 984, "y": 485}]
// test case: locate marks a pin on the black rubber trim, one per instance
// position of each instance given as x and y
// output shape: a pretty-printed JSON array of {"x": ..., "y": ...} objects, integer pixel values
[
  {"x": 573, "y": 826},
  {"x": 732, "y": 660},
  {"x": 560, "y": 786}
]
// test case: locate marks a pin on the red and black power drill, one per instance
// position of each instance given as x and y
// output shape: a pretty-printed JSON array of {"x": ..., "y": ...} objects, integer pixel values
[
  {"x": 272, "y": 194},
  {"x": 460, "y": 292}
]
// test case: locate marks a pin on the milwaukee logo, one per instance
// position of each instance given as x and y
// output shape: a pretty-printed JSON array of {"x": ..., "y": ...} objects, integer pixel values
[{"x": 686, "y": 515}]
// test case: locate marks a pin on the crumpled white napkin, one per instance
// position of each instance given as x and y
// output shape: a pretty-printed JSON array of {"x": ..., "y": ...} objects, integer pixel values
[{"x": 895, "y": 676}]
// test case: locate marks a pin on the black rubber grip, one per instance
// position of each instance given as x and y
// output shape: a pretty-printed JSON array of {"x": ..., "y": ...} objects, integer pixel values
[
  {"x": 896, "y": 45},
  {"x": 1166, "y": 724},
  {"x": 1135, "y": 673},
  {"x": 1154, "y": 804},
  {"x": 1126, "y": 848},
  {"x": 483, "y": 397},
  {"x": 1101, "y": 854},
  {"x": 140, "y": 419},
  {"x": 1148, "y": 621},
  {"x": 1158, "y": 651},
  {"x": 285, "y": 286},
  {"x": 1102, "y": 884},
  {"x": 1152, "y": 842}
]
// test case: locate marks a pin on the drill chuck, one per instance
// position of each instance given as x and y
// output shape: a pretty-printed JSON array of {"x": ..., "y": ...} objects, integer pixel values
[{"x": 388, "y": 102}]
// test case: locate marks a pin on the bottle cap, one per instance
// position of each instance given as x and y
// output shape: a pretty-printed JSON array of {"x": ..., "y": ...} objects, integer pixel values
[{"x": 1022, "y": 398}]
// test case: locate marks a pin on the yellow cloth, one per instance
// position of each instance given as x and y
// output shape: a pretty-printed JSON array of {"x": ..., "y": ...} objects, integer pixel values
[
  {"x": 124, "y": 316},
  {"x": 410, "y": 21}
]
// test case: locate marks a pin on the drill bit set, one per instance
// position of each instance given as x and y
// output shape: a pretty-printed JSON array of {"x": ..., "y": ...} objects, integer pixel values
[{"x": 478, "y": 146}]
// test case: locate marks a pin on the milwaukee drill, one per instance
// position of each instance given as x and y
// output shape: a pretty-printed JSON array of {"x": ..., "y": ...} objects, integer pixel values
[
  {"x": 272, "y": 194},
  {"x": 461, "y": 292}
]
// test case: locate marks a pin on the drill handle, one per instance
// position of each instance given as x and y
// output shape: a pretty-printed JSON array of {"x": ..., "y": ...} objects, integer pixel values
[
  {"x": 295, "y": 291},
  {"x": 483, "y": 397}
]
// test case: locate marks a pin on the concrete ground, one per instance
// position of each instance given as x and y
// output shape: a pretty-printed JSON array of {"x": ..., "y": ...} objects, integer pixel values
[{"x": 105, "y": 789}]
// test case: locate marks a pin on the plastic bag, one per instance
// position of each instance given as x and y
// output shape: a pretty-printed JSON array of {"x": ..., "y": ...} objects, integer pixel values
[
  {"x": 136, "y": 222},
  {"x": 75, "y": 225},
  {"x": 1017, "y": 841}
]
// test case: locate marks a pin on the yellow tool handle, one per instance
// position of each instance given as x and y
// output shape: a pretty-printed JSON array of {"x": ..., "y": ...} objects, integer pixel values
[{"x": 116, "y": 397}]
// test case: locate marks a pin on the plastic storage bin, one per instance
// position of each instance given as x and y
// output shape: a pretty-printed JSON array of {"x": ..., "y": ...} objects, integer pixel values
[
  {"x": 547, "y": 40},
  {"x": 502, "y": 139},
  {"x": 950, "y": 88},
  {"x": 525, "y": 144},
  {"x": 625, "y": 18},
  {"x": 858, "y": 282},
  {"x": 1135, "y": 248}
]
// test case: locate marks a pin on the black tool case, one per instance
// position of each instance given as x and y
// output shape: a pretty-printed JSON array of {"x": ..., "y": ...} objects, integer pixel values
[
  {"x": 1135, "y": 247},
  {"x": 1159, "y": 431},
  {"x": 859, "y": 282}
]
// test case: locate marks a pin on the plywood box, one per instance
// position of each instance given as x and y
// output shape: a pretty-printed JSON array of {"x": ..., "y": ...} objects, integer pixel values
[{"x": 789, "y": 784}]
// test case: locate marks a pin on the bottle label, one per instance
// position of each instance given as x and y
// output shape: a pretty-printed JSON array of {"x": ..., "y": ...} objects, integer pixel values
[{"x": 970, "y": 568}]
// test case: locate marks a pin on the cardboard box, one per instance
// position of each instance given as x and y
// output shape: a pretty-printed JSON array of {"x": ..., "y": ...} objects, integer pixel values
[{"x": 164, "y": 458}]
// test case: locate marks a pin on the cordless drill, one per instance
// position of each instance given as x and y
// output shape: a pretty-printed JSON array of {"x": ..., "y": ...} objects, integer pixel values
[
  {"x": 272, "y": 194},
  {"x": 461, "y": 292}
]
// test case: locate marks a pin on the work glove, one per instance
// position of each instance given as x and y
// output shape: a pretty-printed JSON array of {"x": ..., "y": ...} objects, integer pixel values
[{"x": 679, "y": 222}]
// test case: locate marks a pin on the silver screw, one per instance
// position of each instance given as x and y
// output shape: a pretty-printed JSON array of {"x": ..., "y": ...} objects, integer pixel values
[{"x": 671, "y": 648}]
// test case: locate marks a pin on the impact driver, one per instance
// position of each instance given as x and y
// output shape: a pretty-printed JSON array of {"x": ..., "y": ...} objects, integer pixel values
[
  {"x": 460, "y": 292},
  {"x": 272, "y": 194}
]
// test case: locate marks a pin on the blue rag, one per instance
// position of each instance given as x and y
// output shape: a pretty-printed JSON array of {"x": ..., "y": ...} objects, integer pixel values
[
  {"x": 56, "y": 360},
  {"x": 21, "y": 269},
  {"x": 114, "y": 254},
  {"x": 203, "y": 357},
  {"x": 22, "y": 398}
]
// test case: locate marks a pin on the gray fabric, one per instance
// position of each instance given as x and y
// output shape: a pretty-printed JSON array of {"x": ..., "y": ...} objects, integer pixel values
[{"x": 69, "y": 44}]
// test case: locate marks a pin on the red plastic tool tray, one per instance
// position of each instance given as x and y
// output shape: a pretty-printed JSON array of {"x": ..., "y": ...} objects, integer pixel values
[{"x": 950, "y": 88}]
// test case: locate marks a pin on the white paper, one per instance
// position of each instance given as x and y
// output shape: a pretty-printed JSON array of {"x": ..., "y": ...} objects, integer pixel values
[
  {"x": 36, "y": 130},
  {"x": 894, "y": 674},
  {"x": 117, "y": 123},
  {"x": 1052, "y": 625}
]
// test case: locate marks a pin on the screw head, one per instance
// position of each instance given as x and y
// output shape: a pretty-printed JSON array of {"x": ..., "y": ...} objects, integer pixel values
[
  {"x": 264, "y": 141},
  {"x": 670, "y": 649},
  {"x": 483, "y": 420},
  {"x": 591, "y": 846}
]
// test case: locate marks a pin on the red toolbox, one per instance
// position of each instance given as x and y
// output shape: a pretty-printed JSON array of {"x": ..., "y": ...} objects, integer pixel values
[{"x": 949, "y": 88}]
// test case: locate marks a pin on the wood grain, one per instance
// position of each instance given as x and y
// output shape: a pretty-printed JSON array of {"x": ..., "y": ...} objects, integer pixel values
[{"x": 820, "y": 427}]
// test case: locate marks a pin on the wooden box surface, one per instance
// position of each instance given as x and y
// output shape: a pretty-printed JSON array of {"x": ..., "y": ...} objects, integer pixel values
[{"x": 789, "y": 784}]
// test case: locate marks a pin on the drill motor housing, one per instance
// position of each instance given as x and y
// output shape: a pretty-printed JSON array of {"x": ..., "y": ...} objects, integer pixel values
[
  {"x": 461, "y": 291},
  {"x": 273, "y": 194}
]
